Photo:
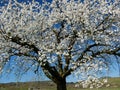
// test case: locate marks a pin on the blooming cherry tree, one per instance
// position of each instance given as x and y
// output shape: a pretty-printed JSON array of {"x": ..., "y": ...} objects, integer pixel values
[{"x": 63, "y": 37}]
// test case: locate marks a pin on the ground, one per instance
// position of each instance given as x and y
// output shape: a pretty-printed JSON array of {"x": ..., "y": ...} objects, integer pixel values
[{"x": 48, "y": 85}]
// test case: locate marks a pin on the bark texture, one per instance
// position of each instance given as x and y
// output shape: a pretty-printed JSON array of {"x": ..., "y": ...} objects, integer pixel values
[{"x": 61, "y": 85}]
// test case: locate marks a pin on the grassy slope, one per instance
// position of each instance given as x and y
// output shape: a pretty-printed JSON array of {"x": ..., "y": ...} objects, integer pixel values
[{"x": 114, "y": 85}]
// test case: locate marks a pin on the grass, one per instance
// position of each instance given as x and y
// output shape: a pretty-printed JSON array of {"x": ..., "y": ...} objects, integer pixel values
[{"x": 114, "y": 85}]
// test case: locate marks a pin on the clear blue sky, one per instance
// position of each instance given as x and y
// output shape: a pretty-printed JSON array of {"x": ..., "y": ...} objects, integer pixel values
[{"x": 30, "y": 76}]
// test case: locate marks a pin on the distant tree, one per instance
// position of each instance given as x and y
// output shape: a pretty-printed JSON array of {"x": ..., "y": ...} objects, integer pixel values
[{"x": 61, "y": 36}]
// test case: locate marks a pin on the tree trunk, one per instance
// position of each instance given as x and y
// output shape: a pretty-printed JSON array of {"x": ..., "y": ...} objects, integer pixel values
[{"x": 61, "y": 85}]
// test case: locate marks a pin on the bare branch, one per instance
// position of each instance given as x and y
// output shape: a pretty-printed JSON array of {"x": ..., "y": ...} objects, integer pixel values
[
  {"x": 88, "y": 49},
  {"x": 110, "y": 52}
]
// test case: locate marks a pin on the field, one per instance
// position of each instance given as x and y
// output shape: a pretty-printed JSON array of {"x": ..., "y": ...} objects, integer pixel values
[{"x": 47, "y": 85}]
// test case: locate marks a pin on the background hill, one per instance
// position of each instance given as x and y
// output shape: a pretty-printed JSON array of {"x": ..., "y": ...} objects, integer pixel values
[{"x": 48, "y": 85}]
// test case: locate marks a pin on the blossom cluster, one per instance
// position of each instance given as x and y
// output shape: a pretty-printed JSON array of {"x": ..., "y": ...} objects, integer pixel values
[
  {"x": 88, "y": 74},
  {"x": 93, "y": 82}
]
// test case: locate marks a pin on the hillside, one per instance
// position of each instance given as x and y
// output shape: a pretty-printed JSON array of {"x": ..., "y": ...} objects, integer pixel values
[{"x": 48, "y": 85}]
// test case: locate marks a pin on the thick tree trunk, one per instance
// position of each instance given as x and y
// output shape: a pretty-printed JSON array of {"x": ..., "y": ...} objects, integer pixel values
[{"x": 61, "y": 85}]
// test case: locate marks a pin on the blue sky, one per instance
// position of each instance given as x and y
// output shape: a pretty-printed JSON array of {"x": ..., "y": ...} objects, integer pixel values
[{"x": 30, "y": 76}]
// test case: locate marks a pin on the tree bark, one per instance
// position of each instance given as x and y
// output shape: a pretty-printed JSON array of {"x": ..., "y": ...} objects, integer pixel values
[{"x": 61, "y": 85}]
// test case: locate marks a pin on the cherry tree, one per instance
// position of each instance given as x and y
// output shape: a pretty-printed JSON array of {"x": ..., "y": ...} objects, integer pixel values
[{"x": 62, "y": 37}]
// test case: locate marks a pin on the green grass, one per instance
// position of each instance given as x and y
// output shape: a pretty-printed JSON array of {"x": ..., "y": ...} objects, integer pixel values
[
  {"x": 55, "y": 89},
  {"x": 114, "y": 85}
]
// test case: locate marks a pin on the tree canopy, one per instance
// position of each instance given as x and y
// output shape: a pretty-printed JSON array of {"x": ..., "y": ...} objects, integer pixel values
[{"x": 61, "y": 36}]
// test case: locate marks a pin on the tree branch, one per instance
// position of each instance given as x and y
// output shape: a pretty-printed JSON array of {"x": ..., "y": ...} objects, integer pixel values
[
  {"x": 70, "y": 46},
  {"x": 17, "y": 40},
  {"x": 88, "y": 49},
  {"x": 110, "y": 52},
  {"x": 51, "y": 70}
]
